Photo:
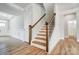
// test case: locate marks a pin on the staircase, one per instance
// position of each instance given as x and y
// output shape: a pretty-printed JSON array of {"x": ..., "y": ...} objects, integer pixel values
[{"x": 40, "y": 39}]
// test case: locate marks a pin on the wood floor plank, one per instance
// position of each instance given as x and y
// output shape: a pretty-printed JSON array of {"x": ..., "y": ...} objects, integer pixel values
[
  {"x": 69, "y": 47},
  {"x": 30, "y": 50}
]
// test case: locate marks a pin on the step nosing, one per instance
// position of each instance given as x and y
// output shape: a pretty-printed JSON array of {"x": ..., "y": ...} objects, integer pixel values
[
  {"x": 41, "y": 34},
  {"x": 40, "y": 37},
  {"x": 39, "y": 43}
]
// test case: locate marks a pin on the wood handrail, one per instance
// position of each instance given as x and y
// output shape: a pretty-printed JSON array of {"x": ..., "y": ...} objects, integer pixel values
[
  {"x": 30, "y": 29},
  {"x": 47, "y": 23},
  {"x": 38, "y": 21},
  {"x": 47, "y": 31}
]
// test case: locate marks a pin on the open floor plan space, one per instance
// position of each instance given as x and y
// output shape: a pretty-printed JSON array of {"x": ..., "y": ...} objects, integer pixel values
[
  {"x": 39, "y": 29},
  {"x": 16, "y": 47}
]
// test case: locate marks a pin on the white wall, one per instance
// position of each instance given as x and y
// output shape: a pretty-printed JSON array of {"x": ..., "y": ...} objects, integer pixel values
[
  {"x": 72, "y": 29},
  {"x": 27, "y": 21},
  {"x": 38, "y": 12},
  {"x": 67, "y": 25},
  {"x": 58, "y": 33},
  {"x": 33, "y": 12},
  {"x": 77, "y": 25},
  {"x": 49, "y": 7},
  {"x": 17, "y": 27}
]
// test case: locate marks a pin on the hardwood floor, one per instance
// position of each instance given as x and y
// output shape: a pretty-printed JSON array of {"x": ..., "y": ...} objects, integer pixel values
[
  {"x": 57, "y": 49},
  {"x": 12, "y": 46},
  {"x": 68, "y": 46},
  {"x": 28, "y": 50}
]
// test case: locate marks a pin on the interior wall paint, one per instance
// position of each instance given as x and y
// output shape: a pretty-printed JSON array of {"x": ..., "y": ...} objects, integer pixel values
[
  {"x": 33, "y": 12},
  {"x": 38, "y": 12},
  {"x": 72, "y": 29},
  {"x": 68, "y": 18},
  {"x": 27, "y": 20},
  {"x": 58, "y": 32},
  {"x": 77, "y": 15},
  {"x": 17, "y": 27},
  {"x": 49, "y": 10}
]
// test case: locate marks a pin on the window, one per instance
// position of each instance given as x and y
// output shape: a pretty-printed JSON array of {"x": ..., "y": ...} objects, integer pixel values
[
  {"x": 2, "y": 24},
  {"x": 74, "y": 21}
]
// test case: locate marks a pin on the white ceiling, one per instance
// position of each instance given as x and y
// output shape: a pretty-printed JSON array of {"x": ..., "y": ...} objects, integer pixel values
[
  {"x": 18, "y": 8},
  {"x": 66, "y": 6},
  {"x": 22, "y": 5},
  {"x": 7, "y": 10}
]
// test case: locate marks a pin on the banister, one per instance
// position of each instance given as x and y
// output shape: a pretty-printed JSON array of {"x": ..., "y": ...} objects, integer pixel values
[
  {"x": 30, "y": 29},
  {"x": 30, "y": 34},
  {"x": 47, "y": 31},
  {"x": 38, "y": 21}
]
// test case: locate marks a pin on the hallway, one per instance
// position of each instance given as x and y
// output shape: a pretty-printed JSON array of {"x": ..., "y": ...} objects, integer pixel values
[{"x": 68, "y": 46}]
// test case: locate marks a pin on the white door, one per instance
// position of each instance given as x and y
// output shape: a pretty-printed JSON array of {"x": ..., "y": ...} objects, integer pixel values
[{"x": 72, "y": 28}]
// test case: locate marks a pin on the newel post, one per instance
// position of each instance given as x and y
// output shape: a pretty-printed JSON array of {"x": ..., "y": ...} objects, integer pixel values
[
  {"x": 46, "y": 36},
  {"x": 30, "y": 34}
]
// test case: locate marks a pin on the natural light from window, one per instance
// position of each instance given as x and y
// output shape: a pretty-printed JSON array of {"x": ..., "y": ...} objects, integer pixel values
[{"x": 2, "y": 24}]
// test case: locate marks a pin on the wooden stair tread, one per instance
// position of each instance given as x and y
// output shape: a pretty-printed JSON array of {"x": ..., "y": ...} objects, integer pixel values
[
  {"x": 39, "y": 43},
  {"x": 41, "y": 38},
  {"x": 43, "y": 31},
  {"x": 41, "y": 34}
]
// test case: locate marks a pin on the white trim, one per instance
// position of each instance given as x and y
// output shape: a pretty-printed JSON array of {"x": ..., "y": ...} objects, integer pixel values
[{"x": 70, "y": 11}]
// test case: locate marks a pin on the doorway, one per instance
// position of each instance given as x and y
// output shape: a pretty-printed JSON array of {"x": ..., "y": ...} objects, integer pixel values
[
  {"x": 72, "y": 28},
  {"x": 70, "y": 25}
]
